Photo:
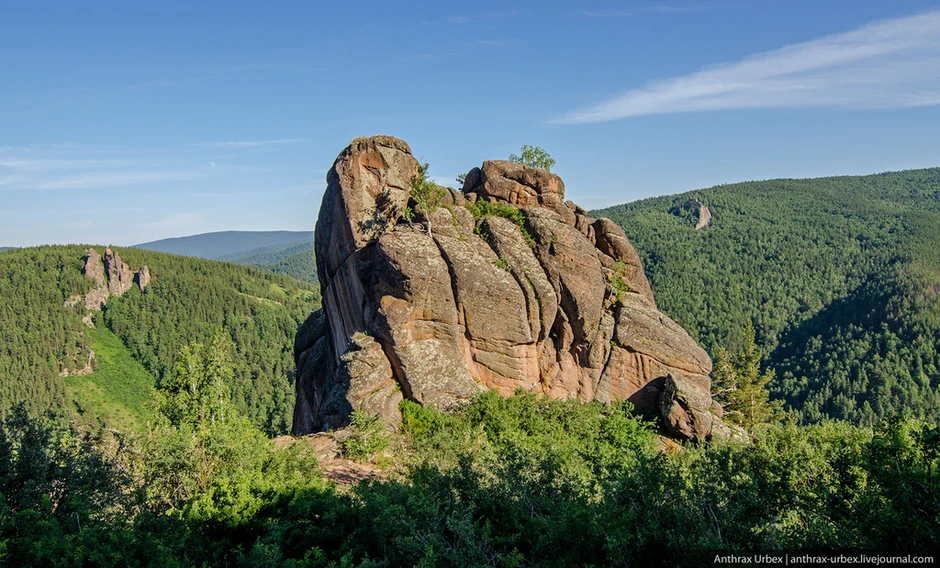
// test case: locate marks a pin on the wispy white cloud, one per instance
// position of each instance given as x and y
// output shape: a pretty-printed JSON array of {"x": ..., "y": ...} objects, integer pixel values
[
  {"x": 113, "y": 179},
  {"x": 465, "y": 19},
  {"x": 497, "y": 42},
  {"x": 252, "y": 143},
  {"x": 179, "y": 221},
  {"x": 640, "y": 10},
  {"x": 12, "y": 180},
  {"x": 45, "y": 169},
  {"x": 884, "y": 64},
  {"x": 298, "y": 189},
  {"x": 49, "y": 164}
]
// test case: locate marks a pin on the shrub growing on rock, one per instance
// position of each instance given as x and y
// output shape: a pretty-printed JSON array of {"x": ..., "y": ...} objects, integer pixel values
[{"x": 426, "y": 194}]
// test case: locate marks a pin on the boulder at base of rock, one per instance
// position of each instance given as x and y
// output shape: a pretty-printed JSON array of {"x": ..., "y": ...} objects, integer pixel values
[{"x": 687, "y": 408}]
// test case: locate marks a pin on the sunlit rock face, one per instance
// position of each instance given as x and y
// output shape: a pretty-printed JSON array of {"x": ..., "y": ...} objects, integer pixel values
[{"x": 557, "y": 304}]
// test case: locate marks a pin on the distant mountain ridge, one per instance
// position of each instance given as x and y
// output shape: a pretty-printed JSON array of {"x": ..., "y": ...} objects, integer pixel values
[
  {"x": 282, "y": 252},
  {"x": 229, "y": 245}
]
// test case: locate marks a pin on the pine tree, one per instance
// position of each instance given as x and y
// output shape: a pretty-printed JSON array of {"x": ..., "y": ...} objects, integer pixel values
[{"x": 740, "y": 386}]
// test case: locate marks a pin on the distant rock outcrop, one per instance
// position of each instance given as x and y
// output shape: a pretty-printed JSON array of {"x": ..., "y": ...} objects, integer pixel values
[
  {"x": 120, "y": 275},
  {"x": 553, "y": 302},
  {"x": 111, "y": 277},
  {"x": 694, "y": 210},
  {"x": 704, "y": 217}
]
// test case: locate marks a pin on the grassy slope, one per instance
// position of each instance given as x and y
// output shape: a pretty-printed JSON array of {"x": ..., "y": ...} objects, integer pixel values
[{"x": 119, "y": 392}]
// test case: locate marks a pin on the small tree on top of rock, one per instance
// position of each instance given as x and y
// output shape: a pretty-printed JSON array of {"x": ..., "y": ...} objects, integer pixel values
[
  {"x": 426, "y": 194},
  {"x": 533, "y": 156}
]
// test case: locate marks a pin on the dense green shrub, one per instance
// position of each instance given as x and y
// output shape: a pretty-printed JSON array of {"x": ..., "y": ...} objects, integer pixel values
[
  {"x": 506, "y": 482},
  {"x": 61, "y": 501},
  {"x": 482, "y": 209},
  {"x": 367, "y": 437}
]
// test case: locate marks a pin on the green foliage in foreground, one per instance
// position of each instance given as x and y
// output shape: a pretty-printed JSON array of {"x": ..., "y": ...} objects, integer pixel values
[
  {"x": 740, "y": 387},
  {"x": 368, "y": 437},
  {"x": 205, "y": 461},
  {"x": 521, "y": 481},
  {"x": 839, "y": 275},
  {"x": 63, "y": 500}
]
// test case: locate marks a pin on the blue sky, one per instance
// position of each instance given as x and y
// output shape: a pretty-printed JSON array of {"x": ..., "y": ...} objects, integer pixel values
[{"x": 124, "y": 122}]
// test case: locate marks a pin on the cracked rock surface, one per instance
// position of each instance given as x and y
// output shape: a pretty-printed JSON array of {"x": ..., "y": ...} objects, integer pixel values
[{"x": 557, "y": 304}]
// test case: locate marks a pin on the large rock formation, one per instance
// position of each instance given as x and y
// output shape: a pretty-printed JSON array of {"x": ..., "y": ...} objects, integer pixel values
[{"x": 553, "y": 302}]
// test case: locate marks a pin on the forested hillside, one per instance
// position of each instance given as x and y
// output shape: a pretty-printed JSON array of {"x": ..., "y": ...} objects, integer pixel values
[
  {"x": 41, "y": 338},
  {"x": 297, "y": 261},
  {"x": 840, "y": 277},
  {"x": 188, "y": 300}
]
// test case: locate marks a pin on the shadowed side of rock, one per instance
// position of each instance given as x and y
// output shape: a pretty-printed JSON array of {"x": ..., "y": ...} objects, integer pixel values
[{"x": 555, "y": 303}]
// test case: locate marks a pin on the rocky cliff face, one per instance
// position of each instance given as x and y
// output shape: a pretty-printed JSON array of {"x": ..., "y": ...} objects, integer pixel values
[
  {"x": 550, "y": 301},
  {"x": 111, "y": 276}
]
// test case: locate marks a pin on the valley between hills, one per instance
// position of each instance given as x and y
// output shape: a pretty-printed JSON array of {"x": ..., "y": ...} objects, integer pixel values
[{"x": 155, "y": 430}]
